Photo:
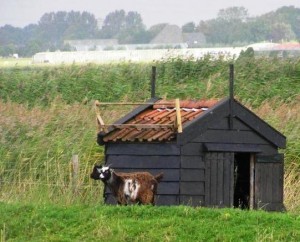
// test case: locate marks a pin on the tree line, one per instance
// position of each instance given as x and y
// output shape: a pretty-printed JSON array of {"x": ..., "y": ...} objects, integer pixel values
[{"x": 232, "y": 26}]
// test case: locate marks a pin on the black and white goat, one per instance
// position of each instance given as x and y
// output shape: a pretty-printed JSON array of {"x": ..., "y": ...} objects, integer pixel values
[{"x": 135, "y": 187}]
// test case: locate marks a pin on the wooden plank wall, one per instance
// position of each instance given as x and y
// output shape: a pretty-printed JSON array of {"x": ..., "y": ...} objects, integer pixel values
[
  {"x": 240, "y": 134},
  {"x": 219, "y": 178},
  {"x": 192, "y": 174},
  {"x": 153, "y": 158},
  {"x": 269, "y": 183}
]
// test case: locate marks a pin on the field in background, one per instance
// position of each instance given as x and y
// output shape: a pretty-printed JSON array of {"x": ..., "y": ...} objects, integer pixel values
[
  {"x": 47, "y": 116},
  {"x": 10, "y": 62}
]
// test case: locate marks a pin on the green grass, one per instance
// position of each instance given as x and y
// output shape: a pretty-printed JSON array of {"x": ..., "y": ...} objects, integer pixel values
[{"x": 143, "y": 223}]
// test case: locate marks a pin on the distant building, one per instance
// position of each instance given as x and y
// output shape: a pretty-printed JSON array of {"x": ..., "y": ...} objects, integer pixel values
[
  {"x": 169, "y": 34},
  {"x": 91, "y": 44},
  {"x": 172, "y": 34},
  {"x": 170, "y": 37}
]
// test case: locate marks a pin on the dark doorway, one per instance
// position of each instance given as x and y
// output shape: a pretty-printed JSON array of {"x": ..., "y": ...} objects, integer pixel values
[{"x": 242, "y": 180}]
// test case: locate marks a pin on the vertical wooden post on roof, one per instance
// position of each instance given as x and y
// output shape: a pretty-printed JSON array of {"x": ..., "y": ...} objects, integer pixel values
[
  {"x": 153, "y": 80},
  {"x": 178, "y": 116},
  {"x": 231, "y": 95}
]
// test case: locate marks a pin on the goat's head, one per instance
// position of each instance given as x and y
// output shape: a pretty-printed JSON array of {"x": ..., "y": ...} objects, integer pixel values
[{"x": 102, "y": 173}]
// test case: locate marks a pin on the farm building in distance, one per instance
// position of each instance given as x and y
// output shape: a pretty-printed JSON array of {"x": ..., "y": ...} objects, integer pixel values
[{"x": 225, "y": 156}]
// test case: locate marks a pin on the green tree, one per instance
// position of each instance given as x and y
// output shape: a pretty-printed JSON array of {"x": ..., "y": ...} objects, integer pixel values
[
  {"x": 228, "y": 28},
  {"x": 54, "y": 28},
  {"x": 281, "y": 32},
  {"x": 127, "y": 28},
  {"x": 10, "y": 35},
  {"x": 291, "y": 16},
  {"x": 189, "y": 27},
  {"x": 113, "y": 24}
]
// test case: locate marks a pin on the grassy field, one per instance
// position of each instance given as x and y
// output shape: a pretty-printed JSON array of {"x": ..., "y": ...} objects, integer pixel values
[
  {"x": 47, "y": 116},
  {"x": 142, "y": 223}
]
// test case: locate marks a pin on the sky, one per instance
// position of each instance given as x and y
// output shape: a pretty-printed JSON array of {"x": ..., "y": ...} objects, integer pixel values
[{"x": 20, "y": 13}]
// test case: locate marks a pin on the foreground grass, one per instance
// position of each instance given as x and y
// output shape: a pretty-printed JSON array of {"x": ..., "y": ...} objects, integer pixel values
[{"x": 142, "y": 223}]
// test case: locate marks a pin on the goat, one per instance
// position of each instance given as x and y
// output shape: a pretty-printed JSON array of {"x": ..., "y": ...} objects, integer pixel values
[{"x": 135, "y": 187}]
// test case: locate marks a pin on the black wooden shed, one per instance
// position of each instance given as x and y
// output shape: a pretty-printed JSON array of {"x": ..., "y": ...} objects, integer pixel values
[{"x": 225, "y": 156}]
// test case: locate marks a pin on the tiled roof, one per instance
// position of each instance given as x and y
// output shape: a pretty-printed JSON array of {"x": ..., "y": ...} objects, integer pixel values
[{"x": 162, "y": 112}]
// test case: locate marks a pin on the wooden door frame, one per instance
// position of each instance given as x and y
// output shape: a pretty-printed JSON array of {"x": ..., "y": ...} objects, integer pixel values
[{"x": 252, "y": 181}]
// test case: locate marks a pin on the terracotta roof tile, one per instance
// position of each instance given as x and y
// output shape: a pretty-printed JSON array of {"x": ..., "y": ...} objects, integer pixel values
[{"x": 162, "y": 112}]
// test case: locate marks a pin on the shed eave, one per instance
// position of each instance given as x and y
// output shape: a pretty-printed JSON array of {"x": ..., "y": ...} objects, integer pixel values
[{"x": 259, "y": 125}]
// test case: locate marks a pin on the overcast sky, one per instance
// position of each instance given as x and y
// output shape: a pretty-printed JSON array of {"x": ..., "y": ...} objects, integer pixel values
[{"x": 20, "y": 13}]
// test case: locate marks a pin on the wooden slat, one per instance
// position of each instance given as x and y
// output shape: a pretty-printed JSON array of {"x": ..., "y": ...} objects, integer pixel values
[
  {"x": 140, "y": 126},
  {"x": 192, "y": 162},
  {"x": 100, "y": 120},
  {"x": 143, "y": 162},
  {"x": 207, "y": 179},
  {"x": 252, "y": 180},
  {"x": 279, "y": 158},
  {"x": 220, "y": 179},
  {"x": 135, "y": 149},
  {"x": 227, "y": 182},
  {"x": 217, "y": 147},
  {"x": 224, "y": 124},
  {"x": 97, "y": 103},
  {"x": 135, "y": 112},
  {"x": 231, "y": 191},
  {"x": 213, "y": 179},
  {"x": 192, "y": 188},
  {"x": 178, "y": 116},
  {"x": 194, "y": 149},
  {"x": 192, "y": 175},
  {"x": 230, "y": 137},
  {"x": 171, "y": 188}
]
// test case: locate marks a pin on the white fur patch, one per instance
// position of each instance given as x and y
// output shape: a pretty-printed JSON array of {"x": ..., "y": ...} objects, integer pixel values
[
  {"x": 131, "y": 189},
  {"x": 127, "y": 186},
  {"x": 104, "y": 168}
]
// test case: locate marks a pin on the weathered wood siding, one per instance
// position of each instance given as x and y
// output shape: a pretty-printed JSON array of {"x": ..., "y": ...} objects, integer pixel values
[
  {"x": 219, "y": 179},
  {"x": 192, "y": 182},
  {"x": 269, "y": 182},
  {"x": 240, "y": 134}
]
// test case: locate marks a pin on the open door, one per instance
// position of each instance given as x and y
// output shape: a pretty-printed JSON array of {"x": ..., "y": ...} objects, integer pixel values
[{"x": 244, "y": 176}]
